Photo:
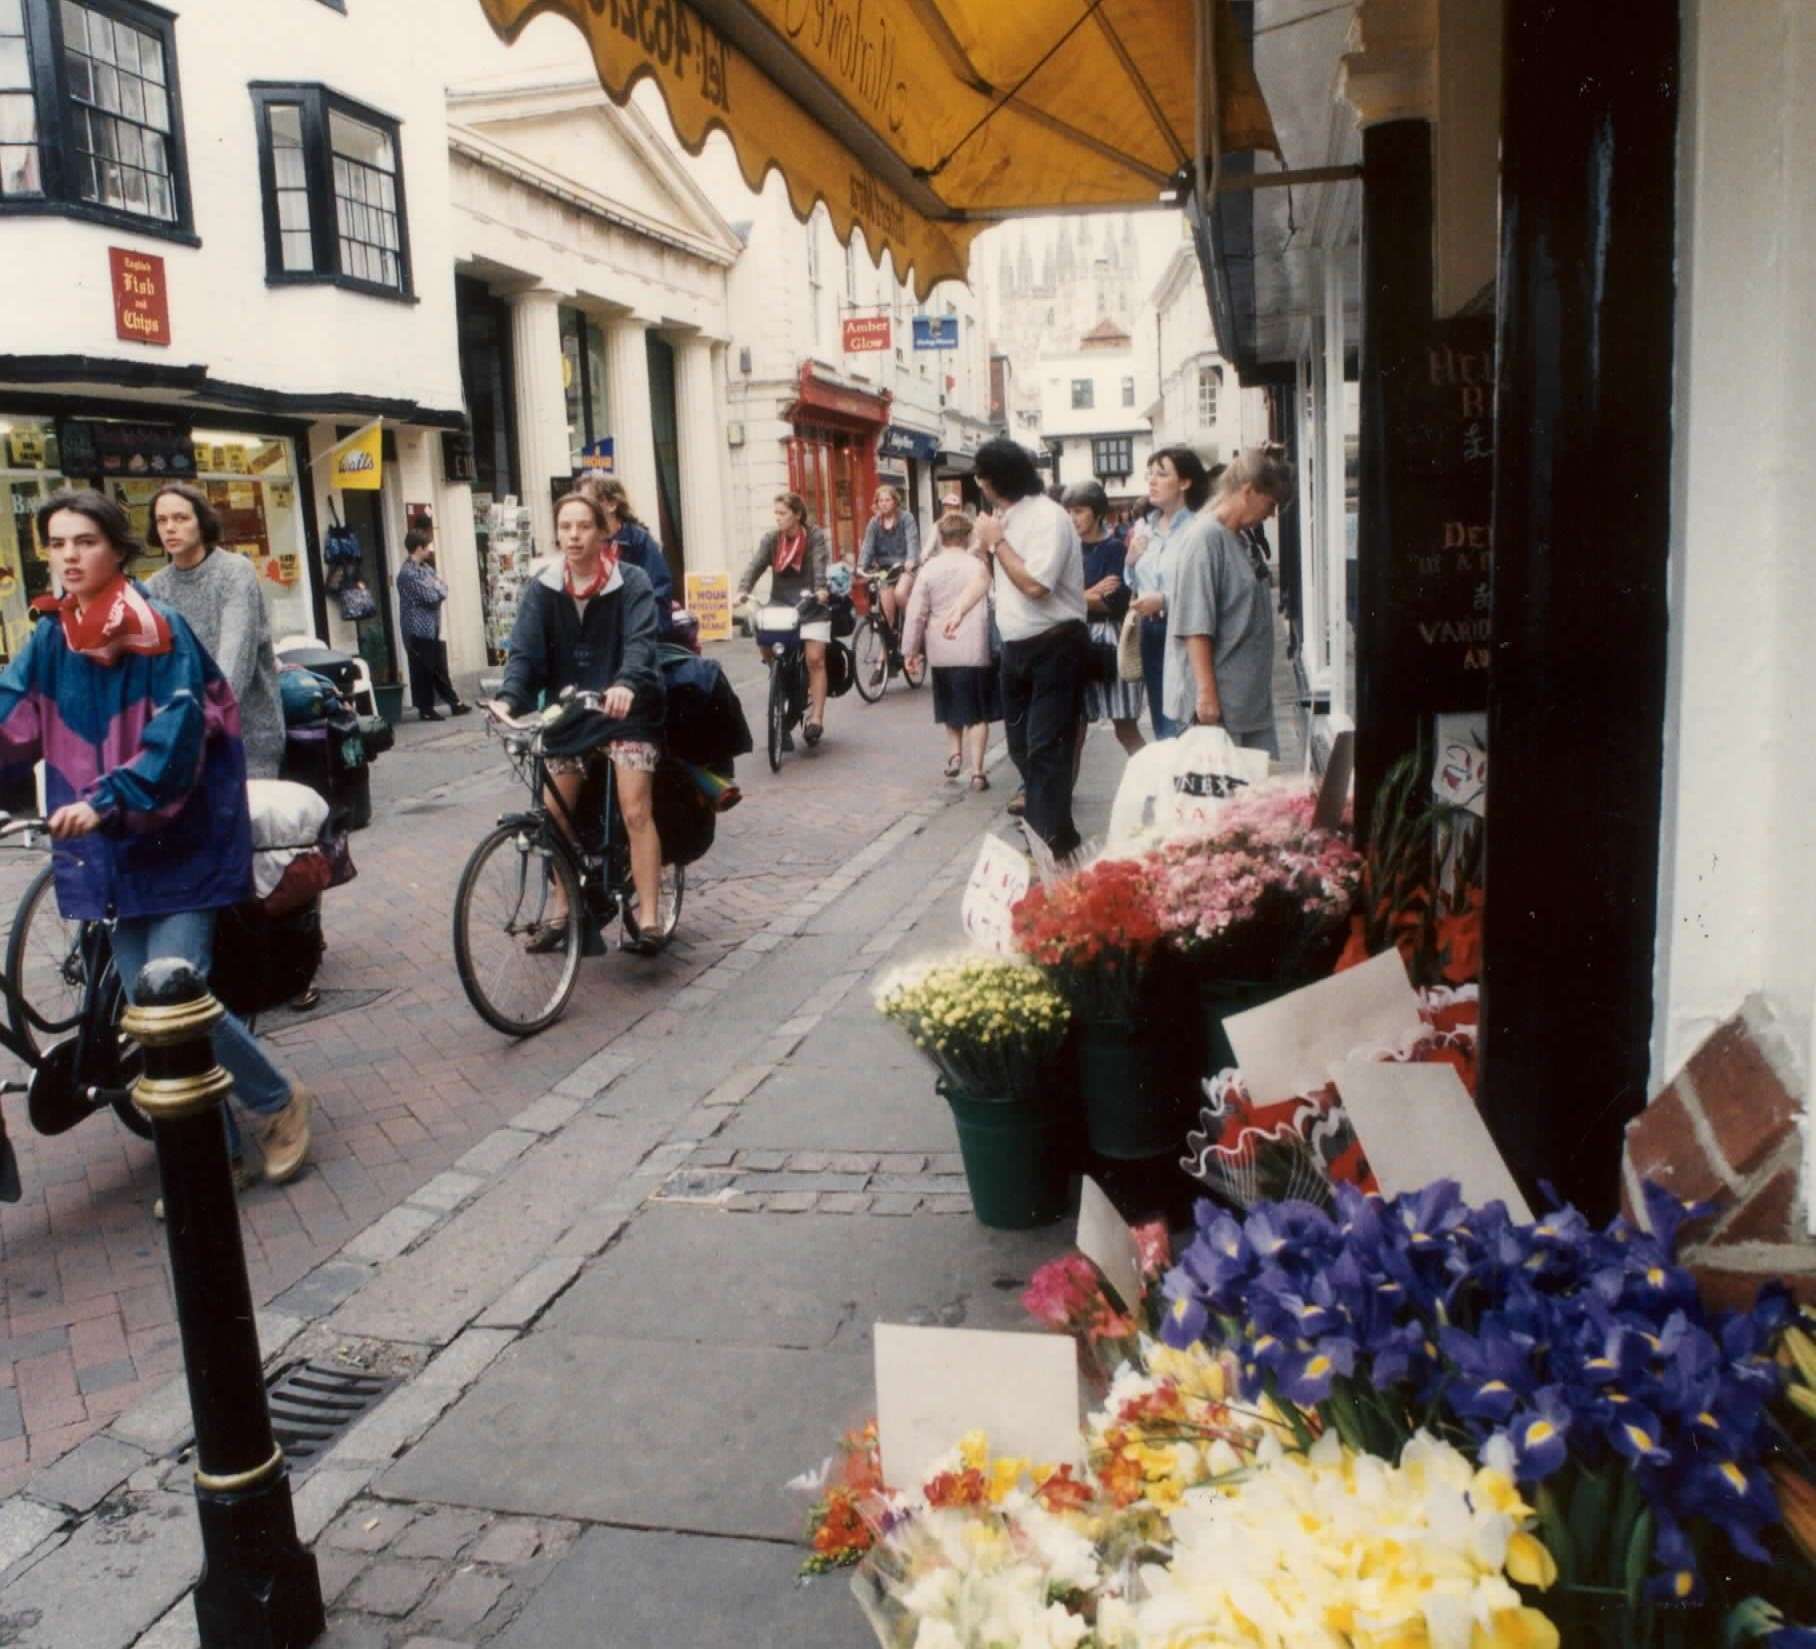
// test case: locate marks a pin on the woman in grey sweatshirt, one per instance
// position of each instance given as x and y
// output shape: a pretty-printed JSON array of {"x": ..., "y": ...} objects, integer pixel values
[{"x": 218, "y": 593}]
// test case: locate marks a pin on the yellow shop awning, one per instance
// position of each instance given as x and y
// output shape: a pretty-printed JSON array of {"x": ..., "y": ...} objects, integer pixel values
[{"x": 922, "y": 121}]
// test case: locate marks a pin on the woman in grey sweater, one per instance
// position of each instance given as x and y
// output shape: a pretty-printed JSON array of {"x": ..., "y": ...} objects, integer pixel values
[{"x": 218, "y": 593}]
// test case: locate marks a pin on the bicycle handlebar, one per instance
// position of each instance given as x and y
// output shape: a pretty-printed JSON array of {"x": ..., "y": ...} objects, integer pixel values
[{"x": 29, "y": 825}]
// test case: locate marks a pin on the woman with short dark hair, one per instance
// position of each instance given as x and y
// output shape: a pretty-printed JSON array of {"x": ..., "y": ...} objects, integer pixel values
[
  {"x": 144, "y": 781},
  {"x": 217, "y": 591},
  {"x": 1107, "y": 697}
]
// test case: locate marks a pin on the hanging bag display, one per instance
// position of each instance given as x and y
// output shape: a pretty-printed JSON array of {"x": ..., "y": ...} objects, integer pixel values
[{"x": 356, "y": 602}]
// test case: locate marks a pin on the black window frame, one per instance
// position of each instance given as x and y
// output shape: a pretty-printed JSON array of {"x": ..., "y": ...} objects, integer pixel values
[
  {"x": 316, "y": 102},
  {"x": 1107, "y": 451},
  {"x": 44, "y": 41}
]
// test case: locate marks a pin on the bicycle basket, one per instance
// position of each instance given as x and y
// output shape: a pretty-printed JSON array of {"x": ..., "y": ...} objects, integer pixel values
[{"x": 777, "y": 626}]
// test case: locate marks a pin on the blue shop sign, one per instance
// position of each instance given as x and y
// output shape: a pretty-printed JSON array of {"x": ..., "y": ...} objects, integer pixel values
[
  {"x": 599, "y": 455},
  {"x": 908, "y": 443},
  {"x": 936, "y": 332}
]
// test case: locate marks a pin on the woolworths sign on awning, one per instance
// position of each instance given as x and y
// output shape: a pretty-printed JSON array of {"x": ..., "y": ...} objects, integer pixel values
[{"x": 921, "y": 121}]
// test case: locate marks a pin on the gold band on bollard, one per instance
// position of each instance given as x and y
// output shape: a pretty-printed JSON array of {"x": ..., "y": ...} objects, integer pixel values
[
  {"x": 163, "y": 1027},
  {"x": 226, "y": 1482},
  {"x": 168, "y": 1097}
]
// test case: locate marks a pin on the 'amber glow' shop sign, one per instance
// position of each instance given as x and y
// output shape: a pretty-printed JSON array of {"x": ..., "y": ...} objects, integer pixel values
[{"x": 141, "y": 299}]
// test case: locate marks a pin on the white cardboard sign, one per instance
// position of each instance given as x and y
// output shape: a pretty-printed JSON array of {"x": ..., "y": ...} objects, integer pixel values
[
  {"x": 1288, "y": 1046},
  {"x": 1417, "y": 1124},
  {"x": 935, "y": 1384},
  {"x": 999, "y": 878},
  {"x": 1104, "y": 1238}
]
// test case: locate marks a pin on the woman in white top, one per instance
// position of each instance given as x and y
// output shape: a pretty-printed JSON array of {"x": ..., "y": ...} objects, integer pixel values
[{"x": 1177, "y": 486}]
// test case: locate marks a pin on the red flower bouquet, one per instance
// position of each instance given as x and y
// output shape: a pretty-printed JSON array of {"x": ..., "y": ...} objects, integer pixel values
[{"x": 1097, "y": 933}]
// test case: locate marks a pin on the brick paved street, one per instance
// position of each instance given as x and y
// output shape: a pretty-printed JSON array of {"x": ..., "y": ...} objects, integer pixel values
[{"x": 407, "y": 1078}]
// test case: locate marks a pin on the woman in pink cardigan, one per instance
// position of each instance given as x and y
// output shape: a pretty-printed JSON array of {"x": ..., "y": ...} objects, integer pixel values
[{"x": 949, "y": 622}]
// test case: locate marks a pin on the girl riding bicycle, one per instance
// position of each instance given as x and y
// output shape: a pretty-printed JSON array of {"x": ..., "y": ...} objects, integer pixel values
[
  {"x": 796, "y": 556},
  {"x": 589, "y": 621},
  {"x": 144, "y": 780}
]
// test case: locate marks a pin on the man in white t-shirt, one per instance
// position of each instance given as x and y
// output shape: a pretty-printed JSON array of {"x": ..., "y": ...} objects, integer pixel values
[{"x": 1039, "y": 580}]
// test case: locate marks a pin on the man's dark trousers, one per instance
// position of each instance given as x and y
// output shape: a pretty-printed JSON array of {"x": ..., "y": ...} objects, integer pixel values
[
  {"x": 428, "y": 656},
  {"x": 1043, "y": 701}
]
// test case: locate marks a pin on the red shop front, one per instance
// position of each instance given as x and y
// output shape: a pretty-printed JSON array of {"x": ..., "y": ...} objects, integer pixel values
[{"x": 832, "y": 456}]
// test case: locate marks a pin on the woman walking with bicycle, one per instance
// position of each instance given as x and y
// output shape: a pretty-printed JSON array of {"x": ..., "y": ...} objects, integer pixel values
[
  {"x": 145, "y": 781},
  {"x": 588, "y": 621},
  {"x": 796, "y": 556}
]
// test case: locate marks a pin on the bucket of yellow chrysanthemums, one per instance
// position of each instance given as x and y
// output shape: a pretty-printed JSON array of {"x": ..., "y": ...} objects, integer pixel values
[{"x": 994, "y": 1029}]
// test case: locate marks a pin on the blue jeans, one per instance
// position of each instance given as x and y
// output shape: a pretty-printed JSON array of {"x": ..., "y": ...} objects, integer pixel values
[
  {"x": 257, "y": 1083},
  {"x": 1153, "y": 672}
]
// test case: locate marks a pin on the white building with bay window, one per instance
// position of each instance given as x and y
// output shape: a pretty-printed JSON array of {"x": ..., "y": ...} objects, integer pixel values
[{"x": 183, "y": 302}]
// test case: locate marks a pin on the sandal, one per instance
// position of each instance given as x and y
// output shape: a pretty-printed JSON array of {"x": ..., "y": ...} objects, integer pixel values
[
  {"x": 550, "y": 936},
  {"x": 953, "y": 764},
  {"x": 979, "y": 782},
  {"x": 813, "y": 732}
]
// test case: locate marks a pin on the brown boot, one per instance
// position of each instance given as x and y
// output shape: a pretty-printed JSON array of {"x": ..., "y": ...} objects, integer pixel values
[{"x": 284, "y": 1137}]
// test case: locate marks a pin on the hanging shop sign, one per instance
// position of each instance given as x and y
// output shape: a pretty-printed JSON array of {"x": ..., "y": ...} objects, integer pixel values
[
  {"x": 908, "y": 443},
  {"x": 936, "y": 332},
  {"x": 867, "y": 332},
  {"x": 93, "y": 446},
  {"x": 599, "y": 456},
  {"x": 359, "y": 461},
  {"x": 141, "y": 299}
]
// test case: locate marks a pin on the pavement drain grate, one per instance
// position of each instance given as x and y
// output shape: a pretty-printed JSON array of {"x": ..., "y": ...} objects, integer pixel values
[
  {"x": 312, "y": 1403},
  {"x": 331, "y": 1001}
]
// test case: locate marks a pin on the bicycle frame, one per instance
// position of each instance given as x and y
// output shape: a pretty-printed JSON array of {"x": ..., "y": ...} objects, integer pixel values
[{"x": 603, "y": 876}]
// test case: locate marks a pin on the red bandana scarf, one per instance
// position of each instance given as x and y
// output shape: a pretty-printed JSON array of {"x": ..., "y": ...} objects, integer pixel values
[
  {"x": 118, "y": 621},
  {"x": 608, "y": 559},
  {"x": 791, "y": 550}
]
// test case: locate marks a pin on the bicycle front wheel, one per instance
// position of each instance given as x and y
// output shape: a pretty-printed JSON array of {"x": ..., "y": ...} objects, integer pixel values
[
  {"x": 870, "y": 660},
  {"x": 517, "y": 938},
  {"x": 46, "y": 979},
  {"x": 778, "y": 713}
]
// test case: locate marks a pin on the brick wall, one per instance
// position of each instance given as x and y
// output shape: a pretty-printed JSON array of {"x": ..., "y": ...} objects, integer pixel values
[{"x": 1728, "y": 1130}]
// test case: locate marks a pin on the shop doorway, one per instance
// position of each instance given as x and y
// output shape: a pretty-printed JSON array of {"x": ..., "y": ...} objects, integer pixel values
[
  {"x": 377, "y": 643},
  {"x": 835, "y": 474}
]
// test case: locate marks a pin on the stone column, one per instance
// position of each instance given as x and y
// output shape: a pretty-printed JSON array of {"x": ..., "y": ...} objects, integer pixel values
[
  {"x": 542, "y": 440},
  {"x": 627, "y": 409},
  {"x": 700, "y": 435}
]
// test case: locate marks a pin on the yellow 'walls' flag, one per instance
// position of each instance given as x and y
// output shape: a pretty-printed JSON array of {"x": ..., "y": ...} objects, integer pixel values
[{"x": 359, "y": 461}]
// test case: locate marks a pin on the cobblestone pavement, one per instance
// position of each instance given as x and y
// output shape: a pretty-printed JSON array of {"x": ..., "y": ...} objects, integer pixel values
[{"x": 407, "y": 1077}]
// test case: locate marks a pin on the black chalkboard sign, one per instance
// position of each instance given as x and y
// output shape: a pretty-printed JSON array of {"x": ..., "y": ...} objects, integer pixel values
[{"x": 1442, "y": 557}]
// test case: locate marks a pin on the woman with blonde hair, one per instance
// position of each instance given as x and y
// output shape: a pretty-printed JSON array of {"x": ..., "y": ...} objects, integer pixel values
[
  {"x": 949, "y": 620},
  {"x": 1219, "y": 668},
  {"x": 796, "y": 555},
  {"x": 891, "y": 539}
]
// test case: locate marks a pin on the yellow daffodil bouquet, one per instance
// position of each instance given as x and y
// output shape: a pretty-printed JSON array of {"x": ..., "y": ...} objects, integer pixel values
[{"x": 992, "y": 1026}]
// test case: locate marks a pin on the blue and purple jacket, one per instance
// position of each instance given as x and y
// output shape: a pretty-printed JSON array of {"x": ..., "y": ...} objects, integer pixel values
[{"x": 153, "y": 745}]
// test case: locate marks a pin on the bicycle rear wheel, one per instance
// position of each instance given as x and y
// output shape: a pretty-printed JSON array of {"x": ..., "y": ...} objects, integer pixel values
[
  {"x": 672, "y": 890},
  {"x": 502, "y": 909},
  {"x": 778, "y": 712},
  {"x": 870, "y": 660},
  {"x": 45, "y": 975}
]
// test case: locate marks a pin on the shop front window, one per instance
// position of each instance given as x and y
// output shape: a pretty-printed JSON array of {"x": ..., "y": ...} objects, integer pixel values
[
  {"x": 583, "y": 380},
  {"x": 250, "y": 479}
]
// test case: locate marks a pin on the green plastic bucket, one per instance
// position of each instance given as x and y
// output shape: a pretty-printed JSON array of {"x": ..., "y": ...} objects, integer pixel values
[
  {"x": 1221, "y": 999},
  {"x": 1137, "y": 1097},
  {"x": 1018, "y": 1158}
]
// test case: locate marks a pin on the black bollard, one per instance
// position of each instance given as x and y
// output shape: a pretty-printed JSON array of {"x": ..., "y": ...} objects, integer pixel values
[{"x": 259, "y": 1587}]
